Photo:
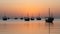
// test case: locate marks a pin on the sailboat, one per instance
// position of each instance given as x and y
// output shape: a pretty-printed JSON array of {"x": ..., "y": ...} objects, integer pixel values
[
  {"x": 4, "y": 18},
  {"x": 21, "y": 18},
  {"x": 50, "y": 18},
  {"x": 32, "y": 18},
  {"x": 38, "y": 17},
  {"x": 15, "y": 18},
  {"x": 27, "y": 18}
]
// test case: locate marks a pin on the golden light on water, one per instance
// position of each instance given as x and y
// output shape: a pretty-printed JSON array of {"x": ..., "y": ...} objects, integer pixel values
[
  {"x": 31, "y": 27},
  {"x": 27, "y": 28}
]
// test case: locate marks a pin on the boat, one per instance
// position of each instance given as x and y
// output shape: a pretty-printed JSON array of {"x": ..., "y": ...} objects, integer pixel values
[
  {"x": 50, "y": 18},
  {"x": 15, "y": 18},
  {"x": 38, "y": 17},
  {"x": 32, "y": 18},
  {"x": 21, "y": 18},
  {"x": 4, "y": 18},
  {"x": 27, "y": 18}
]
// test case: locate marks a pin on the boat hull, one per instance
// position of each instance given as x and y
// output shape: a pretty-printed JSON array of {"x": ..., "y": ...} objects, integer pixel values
[
  {"x": 38, "y": 18},
  {"x": 21, "y": 18},
  {"x": 4, "y": 18},
  {"x": 26, "y": 19},
  {"x": 32, "y": 18},
  {"x": 49, "y": 20}
]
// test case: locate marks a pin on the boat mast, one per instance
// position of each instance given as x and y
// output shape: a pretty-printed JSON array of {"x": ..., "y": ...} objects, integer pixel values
[
  {"x": 31, "y": 15},
  {"x": 39, "y": 14},
  {"x": 28, "y": 14},
  {"x": 49, "y": 12},
  {"x": 4, "y": 14}
]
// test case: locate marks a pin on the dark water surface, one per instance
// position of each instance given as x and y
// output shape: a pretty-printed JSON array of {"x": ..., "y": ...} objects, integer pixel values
[{"x": 31, "y": 27}]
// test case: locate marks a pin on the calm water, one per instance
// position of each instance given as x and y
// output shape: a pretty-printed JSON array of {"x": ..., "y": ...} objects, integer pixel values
[{"x": 31, "y": 27}]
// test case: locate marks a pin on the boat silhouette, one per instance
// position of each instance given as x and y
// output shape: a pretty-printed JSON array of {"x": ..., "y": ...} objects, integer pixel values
[
  {"x": 4, "y": 18},
  {"x": 32, "y": 18},
  {"x": 38, "y": 17},
  {"x": 27, "y": 18},
  {"x": 50, "y": 18},
  {"x": 15, "y": 18},
  {"x": 21, "y": 18}
]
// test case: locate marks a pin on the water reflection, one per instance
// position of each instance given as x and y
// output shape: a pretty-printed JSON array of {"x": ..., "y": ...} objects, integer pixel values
[
  {"x": 49, "y": 25},
  {"x": 32, "y": 27}
]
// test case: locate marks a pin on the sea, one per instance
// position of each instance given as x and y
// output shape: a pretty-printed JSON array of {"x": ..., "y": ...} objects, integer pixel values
[{"x": 18, "y": 26}]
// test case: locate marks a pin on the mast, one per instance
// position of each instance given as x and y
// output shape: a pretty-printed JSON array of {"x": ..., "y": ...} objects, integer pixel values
[
  {"x": 39, "y": 15},
  {"x": 27, "y": 14},
  {"x": 49, "y": 12}
]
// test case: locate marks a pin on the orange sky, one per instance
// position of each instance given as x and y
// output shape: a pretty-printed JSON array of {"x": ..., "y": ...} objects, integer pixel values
[{"x": 33, "y": 7}]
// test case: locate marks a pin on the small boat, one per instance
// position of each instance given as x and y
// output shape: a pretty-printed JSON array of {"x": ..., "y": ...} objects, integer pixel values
[
  {"x": 21, "y": 18},
  {"x": 32, "y": 18},
  {"x": 15, "y": 18},
  {"x": 38, "y": 18},
  {"x": 4, "y": 18},
  {"x": 50, "y": 18},
  {"x": 27, "y": 19}
]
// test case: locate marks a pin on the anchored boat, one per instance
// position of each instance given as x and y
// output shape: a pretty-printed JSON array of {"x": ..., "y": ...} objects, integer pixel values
[{"x": 50, "y": 18}]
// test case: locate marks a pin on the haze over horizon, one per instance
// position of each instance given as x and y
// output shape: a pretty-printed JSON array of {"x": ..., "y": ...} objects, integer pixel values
[{"x": 19, "y": 8}]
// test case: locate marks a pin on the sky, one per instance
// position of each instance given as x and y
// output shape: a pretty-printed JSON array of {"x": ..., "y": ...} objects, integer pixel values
[{"x": 17, "y": 8}]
